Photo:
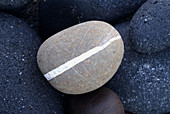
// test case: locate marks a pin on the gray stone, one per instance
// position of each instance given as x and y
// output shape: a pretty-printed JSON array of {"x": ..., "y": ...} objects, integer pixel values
[
  {"x": 150, "y": 26},
  {"x": 142, "y": 81},
  {"x": 13, "y": 4},
  {"x": 78, "y": 60},
  {"x": 22, "y": 86}
]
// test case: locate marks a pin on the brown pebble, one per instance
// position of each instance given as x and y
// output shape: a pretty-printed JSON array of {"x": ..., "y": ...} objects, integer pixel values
[{"x": 101, "y": 101}]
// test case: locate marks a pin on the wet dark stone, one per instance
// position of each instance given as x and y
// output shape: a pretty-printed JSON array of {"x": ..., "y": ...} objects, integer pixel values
[
  {"x": 22, "y": 86},
  {"x": 57, "y": 15},
  {"x": 142, "y": 81},
  {"x": 150, "y": 26},
  {"x": 13, "y": 4}
]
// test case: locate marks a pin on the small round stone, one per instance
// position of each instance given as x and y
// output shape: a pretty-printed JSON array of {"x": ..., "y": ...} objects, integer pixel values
[
  {"x": 13, "y": 4},
  {"x": 101, "y": 101},
  {"x": 82, "y": 58},
  {"x": 150, "y": 27}
]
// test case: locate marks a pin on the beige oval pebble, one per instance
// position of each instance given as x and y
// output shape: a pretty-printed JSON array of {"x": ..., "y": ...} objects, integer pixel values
[{"x": 81, "y": 58}]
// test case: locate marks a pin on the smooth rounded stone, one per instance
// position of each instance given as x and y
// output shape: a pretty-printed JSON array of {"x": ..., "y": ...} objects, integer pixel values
[
  {"x": 22, "y": 87},
  {"x": 82, "y": 58},
  {"x": 101, "y": 101},
  {"x": 57, "y": 15},
  {"x": 150, "y": 26},
  {"x": 13, "y": 4},
  {"x": 142, "y": 81}
]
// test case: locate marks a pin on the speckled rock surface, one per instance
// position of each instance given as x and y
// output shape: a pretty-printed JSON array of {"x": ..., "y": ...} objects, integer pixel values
[
  {"x": 95, "y": 47},
  {"x": 22, "y": 87},
  {"x": 142, "y": 81},
  {"x": 13, "y": 4},
  {"x": 101, "y": 101},
  {"x": 29, "y": 14},
  {"x": 150, "y": 26},
  {"x": 57, "y": 15}
]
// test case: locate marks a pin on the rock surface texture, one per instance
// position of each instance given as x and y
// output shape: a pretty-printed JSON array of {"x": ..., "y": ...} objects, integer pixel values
[
  {"x": 150, "y": 26},
  {"x": 82, "y": 58},
  {"x": 22, "y": 88},
  {"x": 13, "y": 4},
  {"x": 101, "y": 101},
  {"x": 57, "y": 15},
  {"x": 142, "y": 81}
]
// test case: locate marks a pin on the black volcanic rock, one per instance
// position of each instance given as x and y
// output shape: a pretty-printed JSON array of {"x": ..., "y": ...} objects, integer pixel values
[
  {"x": 142, "y": 81},
  {"x": 13, "y": 4},
  {"x": 150, "y": 26},
  {"x": 56, "y": 15},
  {"x": 22, "y": 86}
]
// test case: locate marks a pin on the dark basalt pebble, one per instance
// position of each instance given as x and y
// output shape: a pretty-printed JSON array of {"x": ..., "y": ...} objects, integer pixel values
[
  {"x": 57, "y": 15},
  {"x": 150, "y": 26},
  {"x": 101, "y": 101},
  {"x": 13, "y": 4},
  {"x": 142, "y": 81},
  {"x": 22, "y": 88}
]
